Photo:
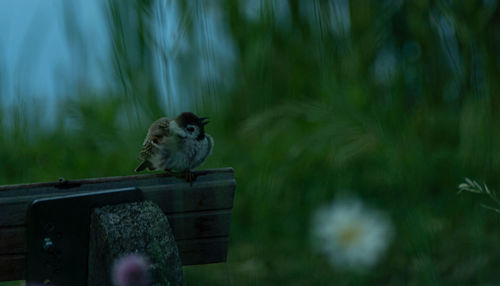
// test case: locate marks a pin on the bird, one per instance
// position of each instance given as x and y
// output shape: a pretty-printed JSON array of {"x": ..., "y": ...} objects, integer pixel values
[{"x": 176, "y": 145}]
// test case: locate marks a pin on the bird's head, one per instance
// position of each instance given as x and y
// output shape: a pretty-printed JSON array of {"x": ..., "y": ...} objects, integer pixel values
[{"x": 191, "y": 126}]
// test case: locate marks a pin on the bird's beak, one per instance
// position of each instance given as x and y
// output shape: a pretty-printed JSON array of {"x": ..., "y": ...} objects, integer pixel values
[{"x": 204, "y": 121}]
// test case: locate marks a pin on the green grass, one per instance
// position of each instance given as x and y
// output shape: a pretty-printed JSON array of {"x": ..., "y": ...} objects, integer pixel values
[{"x": 285, "y": 171}]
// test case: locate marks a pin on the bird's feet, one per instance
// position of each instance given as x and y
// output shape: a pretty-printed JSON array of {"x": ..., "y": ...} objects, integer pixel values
[
  {"x": 170, "y": 173},
  {"x": 189, "y": 176}
]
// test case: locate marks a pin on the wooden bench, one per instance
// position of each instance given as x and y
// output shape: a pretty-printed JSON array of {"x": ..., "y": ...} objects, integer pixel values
[{"x": 199, "y": 215}]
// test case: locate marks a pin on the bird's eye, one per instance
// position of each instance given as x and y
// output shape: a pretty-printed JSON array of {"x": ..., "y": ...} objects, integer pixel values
[{"x": 190, "y": 129}]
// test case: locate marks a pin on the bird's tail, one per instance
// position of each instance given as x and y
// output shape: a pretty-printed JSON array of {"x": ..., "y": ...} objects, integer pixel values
[{"x": 143, "y": 166}]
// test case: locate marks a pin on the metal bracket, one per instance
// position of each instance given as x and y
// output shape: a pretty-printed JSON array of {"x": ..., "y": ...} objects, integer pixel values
[{"x": 58, "y": 234}]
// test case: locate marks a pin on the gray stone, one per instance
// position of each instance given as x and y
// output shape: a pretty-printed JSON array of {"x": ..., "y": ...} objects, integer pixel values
[{"x": 127, "y": 228}]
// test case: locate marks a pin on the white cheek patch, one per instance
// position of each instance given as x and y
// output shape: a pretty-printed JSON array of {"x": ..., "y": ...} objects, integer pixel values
[
  {"x": 194, "y": 133},
  {"x": 175, "y": 129}
]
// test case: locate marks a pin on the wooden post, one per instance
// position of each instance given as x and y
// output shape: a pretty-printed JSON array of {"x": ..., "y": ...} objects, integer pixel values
[
  {"x": 128, "y": 228},
  {"x": 199, "y": 214}
]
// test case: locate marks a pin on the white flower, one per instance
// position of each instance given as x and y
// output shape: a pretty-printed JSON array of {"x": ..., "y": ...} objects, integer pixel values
[{"x": 351, "y": 235}]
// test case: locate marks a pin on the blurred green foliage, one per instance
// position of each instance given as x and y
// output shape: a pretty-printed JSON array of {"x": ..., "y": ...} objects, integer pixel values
[{"x": 390, "y": 101}]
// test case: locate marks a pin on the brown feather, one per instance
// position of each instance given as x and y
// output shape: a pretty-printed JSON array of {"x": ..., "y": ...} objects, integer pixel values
[
  {"x": 142, "y": 166},
  {"x": 158, "y": 129}
]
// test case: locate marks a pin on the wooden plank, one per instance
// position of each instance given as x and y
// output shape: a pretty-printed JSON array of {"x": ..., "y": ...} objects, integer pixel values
[
  {"x": 13, "y": 213},
  {"x": 191, "y": 252},
  {"x": 203, "y": 251},
  {"x": 184, "y": 226},
  {"x": 112, "y": 182},
  {"x": 203, "y": 196},
  {"x": 12, "y": 267},
  {"x": 13, "y": 240},
  {"x": 200, "y": 225},
  {"x": 172, "y": 198}
]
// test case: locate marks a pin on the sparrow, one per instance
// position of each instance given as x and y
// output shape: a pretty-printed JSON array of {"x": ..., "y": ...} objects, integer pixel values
[{"x": 176, "y": 145}]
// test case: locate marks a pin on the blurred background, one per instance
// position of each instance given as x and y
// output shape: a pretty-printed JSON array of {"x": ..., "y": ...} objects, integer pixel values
[{"x": 389, "y": 103}]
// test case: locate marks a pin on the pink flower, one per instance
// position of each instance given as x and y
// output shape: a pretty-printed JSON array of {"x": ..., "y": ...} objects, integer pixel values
[{"x": 131, "y": 270}]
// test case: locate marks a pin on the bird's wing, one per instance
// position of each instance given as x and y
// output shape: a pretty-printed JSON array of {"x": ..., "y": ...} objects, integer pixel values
[{"x": 155, "y": 133}]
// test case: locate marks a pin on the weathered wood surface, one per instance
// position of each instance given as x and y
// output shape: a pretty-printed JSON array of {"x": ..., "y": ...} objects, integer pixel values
[
  {"x": 114, "y": 233},
  {"x": 199, "y": 214}
]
